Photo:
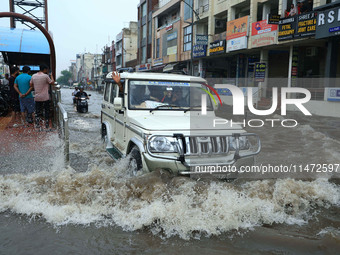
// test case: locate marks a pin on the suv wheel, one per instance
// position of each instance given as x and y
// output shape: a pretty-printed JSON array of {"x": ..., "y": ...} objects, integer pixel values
[{"x": 135, "y": 164}]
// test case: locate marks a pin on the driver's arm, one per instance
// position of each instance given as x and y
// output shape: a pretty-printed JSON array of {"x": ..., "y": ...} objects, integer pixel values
[{"x": 116, "y": 78}]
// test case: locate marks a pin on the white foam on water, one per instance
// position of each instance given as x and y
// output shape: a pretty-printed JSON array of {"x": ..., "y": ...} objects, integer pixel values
[{"x": 165, "y": 205}]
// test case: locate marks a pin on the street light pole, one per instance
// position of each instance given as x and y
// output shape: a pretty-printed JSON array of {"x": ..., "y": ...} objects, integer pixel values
[{"x": 192, "y": 34}]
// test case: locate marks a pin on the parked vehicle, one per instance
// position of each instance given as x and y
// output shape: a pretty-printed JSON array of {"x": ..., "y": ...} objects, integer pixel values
[{"x": 158, "y": 122}]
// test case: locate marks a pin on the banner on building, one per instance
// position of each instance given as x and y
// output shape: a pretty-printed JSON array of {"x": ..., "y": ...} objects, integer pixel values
[
  {"x": 237, "y": 28},
  {"x": 260, "y": 72},
  {"x": 237, "y": 44},
  {"x": 262, "y": 27},
  {"x": 200, "y": 51},
  {"x": 201, "y": 40},
  {"x": 217, "y": 47},
  {"x": 328, "y": 23},
  {"x": 287, "y": 28},
  {"x": 264, "y": 39}
]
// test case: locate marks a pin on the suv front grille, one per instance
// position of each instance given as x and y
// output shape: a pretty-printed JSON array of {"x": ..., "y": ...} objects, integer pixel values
[{"x": 200, "y": 145}]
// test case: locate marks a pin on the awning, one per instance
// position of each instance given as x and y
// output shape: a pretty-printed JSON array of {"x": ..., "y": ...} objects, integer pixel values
[
  {"x": 24, "y": 47},
  {"x": 169, "y": 67}
]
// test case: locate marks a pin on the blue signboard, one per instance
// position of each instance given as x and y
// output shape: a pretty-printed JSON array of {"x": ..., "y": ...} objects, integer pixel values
[
  {"x": 334, "y": 94},
  {"x": 201, "y": 40},
  {"x": 172, "y": 36},
  {"x": 200, "y": 51}
]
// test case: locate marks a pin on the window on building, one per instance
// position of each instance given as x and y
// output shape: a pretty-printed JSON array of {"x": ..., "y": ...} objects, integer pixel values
[
  {"x": 187, "y": 38},
  {"x": 157, "y": 48},
  {"x": 150, "y": 28},
  {"x": 144, "y": 55},
  {"x": 144, "y": 10},
  {"x": 144, "y": 31},
  {"x": 187, "y": 9}
]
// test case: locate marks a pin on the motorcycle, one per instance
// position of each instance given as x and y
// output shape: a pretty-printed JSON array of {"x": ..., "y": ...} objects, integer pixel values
[{"x": 82, "y": 104}]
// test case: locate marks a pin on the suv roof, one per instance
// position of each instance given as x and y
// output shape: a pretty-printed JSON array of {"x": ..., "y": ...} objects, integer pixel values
[{"x": 156, "y": 76}]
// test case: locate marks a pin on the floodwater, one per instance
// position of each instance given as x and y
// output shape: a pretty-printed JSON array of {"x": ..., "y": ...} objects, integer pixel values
[{"x": 92, "y": 207}]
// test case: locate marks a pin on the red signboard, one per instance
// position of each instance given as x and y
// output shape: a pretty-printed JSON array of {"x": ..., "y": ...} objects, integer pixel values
[{"x": 262, "y": 27}]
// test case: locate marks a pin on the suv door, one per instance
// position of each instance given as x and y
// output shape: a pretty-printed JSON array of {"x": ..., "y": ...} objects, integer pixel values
[{"x": 120, "y": 119}]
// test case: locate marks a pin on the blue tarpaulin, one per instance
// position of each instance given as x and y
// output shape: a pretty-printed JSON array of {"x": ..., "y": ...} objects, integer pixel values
[{"x": 23, "y": 41}]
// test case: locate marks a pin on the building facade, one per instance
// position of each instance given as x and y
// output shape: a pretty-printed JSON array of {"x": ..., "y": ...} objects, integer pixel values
[
  {"x": 126, "y": 46},
  {"x": 145, "y": 10}
]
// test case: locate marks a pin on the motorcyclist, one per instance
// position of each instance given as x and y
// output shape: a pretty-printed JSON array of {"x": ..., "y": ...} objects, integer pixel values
[{"x": 81, "y": 93}]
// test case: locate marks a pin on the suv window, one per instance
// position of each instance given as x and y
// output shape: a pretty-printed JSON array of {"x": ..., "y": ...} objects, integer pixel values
[
  {"x": 147, "y": 95},
  {"x": 113, "y": 92},
  {"x": 107, "y": 92}
]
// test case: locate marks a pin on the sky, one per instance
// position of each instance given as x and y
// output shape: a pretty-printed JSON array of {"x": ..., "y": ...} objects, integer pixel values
[{"x": 80, "y": 26}]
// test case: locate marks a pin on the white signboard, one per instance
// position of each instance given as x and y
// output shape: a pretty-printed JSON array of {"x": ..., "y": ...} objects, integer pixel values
[{"x": 237, "y": 43}]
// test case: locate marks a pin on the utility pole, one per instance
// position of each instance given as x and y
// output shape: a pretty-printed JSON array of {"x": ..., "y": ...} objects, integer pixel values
[{"x": 192, "y": 23}]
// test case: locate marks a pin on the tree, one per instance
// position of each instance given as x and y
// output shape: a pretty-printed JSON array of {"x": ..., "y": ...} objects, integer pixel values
[{"x": 65, "y": 76}]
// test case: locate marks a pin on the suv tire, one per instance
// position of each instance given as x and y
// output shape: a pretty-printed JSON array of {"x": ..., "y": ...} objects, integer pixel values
[{"x": 135, "y": 164}]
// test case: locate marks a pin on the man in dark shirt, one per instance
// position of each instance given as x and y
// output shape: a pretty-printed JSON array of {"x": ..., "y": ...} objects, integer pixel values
[
  {"x": 14, "y": 96},
  {"x": 81, "y": 93}
]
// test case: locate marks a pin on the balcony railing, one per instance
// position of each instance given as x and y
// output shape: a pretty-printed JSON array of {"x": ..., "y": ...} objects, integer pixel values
[{"x": 202, "y": 9}]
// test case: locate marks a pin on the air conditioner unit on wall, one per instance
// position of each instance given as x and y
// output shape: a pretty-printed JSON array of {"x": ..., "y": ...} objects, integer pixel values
[{"x": 311, "y": 51}]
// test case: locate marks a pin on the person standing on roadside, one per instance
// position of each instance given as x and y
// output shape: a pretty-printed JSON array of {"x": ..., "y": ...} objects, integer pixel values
[
  {"x": 22, "y": 86},
  {"x": 13, "y": 95},
  {"x": 40, "y": 82}
]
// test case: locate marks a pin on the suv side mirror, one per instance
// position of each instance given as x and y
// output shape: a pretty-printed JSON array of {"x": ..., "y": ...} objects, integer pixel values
[{"x": 118, "y": 103}]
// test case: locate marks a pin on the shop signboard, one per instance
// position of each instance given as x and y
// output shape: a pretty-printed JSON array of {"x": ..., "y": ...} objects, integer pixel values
[
  {"x": 172, "y": 36},
  {"x": 287, "y": 27},
  {"x": 201, "y": 40},
  {"x": 143, "y": 67},
  {"x": 264, "y": 39},
  {"x": 333, "y": 94},
  {"x": 306, "y": 25},
  {"x": 237, "y": 44},
  {"x": 158, "y": 61},
  {"x": 237, "y": 28},
  {"x": 200, "y": 51},
  {"x": 328, "y": 23},
  {"x": 273, "y": 19},
  {"x": 172, "y": 50},
  {"x": 260, "y": 71},
  {"x": 169, "y": 27},
  {"x": 217, "y": 47},
  {"x": 262, "y": 27}
]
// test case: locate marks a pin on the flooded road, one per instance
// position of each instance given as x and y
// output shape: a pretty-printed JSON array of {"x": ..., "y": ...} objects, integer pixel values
[{"x": 92, "y": 207}]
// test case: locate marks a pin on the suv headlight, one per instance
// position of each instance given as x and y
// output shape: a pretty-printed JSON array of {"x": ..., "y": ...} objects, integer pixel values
[
  {"x": 163, "y": 144},
  {"x": 243, "y": 143}
]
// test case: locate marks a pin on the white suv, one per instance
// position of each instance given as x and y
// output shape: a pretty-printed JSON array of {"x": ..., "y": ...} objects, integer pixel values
[{"x": 160, "y": 122}]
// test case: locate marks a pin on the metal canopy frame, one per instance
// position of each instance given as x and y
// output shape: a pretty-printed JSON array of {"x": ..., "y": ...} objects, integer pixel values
[{"x": 28, "y": 8}]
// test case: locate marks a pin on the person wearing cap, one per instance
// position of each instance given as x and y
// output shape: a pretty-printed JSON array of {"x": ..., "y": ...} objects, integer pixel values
[
  {"x": 22, "y": 86},
  {"x": 41, "y": 84}
]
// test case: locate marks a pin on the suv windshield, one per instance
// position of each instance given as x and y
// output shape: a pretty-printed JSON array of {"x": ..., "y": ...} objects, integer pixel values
[{"x": 165, "y": 95}]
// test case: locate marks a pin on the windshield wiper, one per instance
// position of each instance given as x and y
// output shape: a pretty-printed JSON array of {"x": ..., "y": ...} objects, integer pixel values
[
  {"x": 191, "y": 108},
  {"x": 164, "y": 105}
]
